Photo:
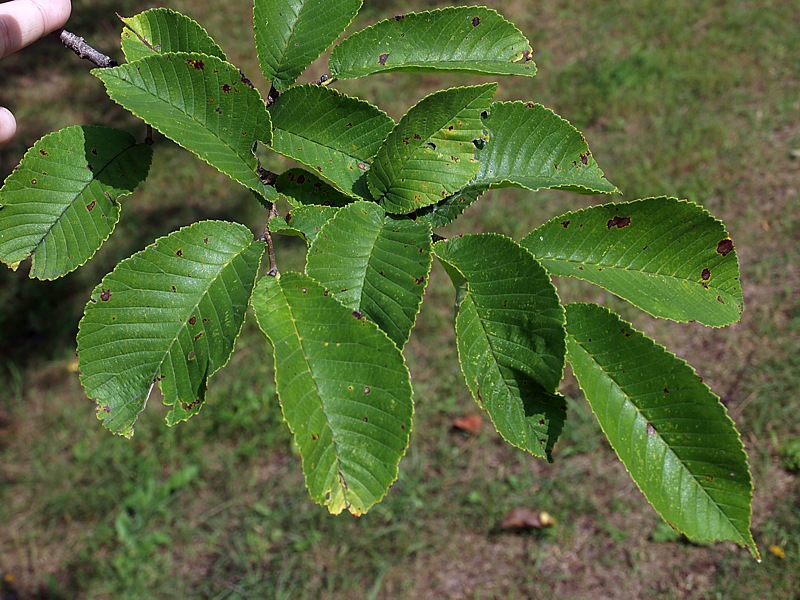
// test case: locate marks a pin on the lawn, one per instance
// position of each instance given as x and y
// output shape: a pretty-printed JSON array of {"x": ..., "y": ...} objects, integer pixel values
[{"x": 697, "y": 101}]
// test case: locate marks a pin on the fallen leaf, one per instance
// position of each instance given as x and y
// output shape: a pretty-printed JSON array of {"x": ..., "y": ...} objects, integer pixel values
[
  {"x": 778, "y": 551},
  {"x": 468, "y": 423},
  {"x": 524, "y": 519}
]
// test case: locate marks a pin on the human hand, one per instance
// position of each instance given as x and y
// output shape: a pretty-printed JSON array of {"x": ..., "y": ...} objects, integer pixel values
[{"x": 22, "y": 22}]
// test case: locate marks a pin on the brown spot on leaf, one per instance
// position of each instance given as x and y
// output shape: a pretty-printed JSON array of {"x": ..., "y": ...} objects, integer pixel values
[
  {"x": 725, "y": 246},
  {"x": 192, "y": 320},
  {"x": 709, "y": 478},
  {"x": 399, "y": 17},
  {"x": 226, "y": 87},
  {"x": 198, "y": 336},
  {"x": 198, "y": 64},
  {"x": 91, "y": 205},
  {"x": 358, "y": 315},
  {"x": 34, "y": 182},
  {"x": 43, "y": 153},
  {"x": 706, "y": 274},
  {"x": 205, "y": 320},
  {"x": 174, "y": 289},
  {"x": 565, "y": 224},
  {"x": 365, "y": 419},
  {"x": 419, "y": 280},
  {"x": 94, "y": 151},
  {"x": 314, "y": 437},
  {"x": 476, "y": 21},
  {"x": 367, "y": 390},
  {"x": 417, "y": 136},
  {"x": 205, "y": 240},
  {"x": 618, "y": 222},
  {"x": 720, "y": 300},
  {"x": 382, "y": 59},
  {"x": 666, "y": 390},
  {"x": 105, "y": 295},
  {"x": 585, "y": 159}
]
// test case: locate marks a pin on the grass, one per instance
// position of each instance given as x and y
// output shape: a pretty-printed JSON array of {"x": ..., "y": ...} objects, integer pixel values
[{"x": 699, "y": 103}]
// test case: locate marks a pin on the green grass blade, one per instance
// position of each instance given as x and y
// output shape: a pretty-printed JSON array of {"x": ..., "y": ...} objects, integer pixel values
[
  {"x": 170, "y": 315},
  {"x": 668, "y": 257},
  {"x": 344, "y": 389},
  {"x": 510, "y": 336},
  {"x": 333, "y": 134},
  {"x": 430, "y": 154},
  {"x": 202, "y": 103},
  {"x": 304, "y": 221},
  {"x": 291, "y": 34},
  {"x": 469, "y": 39},
  {"x": 532, "y": 147},
  {"x": 375, "y": 264},
  {"x": 669, "y": 430},
  {"x": 165, "y": 31},
  {"x": 61, "y": 203}
]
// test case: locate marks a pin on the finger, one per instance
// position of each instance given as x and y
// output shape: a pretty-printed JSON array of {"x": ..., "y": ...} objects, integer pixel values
[
  {"x": 25, "y": 21},
  {"x": 8, "y": 126}
]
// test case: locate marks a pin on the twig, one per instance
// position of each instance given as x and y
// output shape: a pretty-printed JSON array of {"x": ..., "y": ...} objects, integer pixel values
[
  {"x": 266, "y": 237},
  {"x": 79, "y": 46}
]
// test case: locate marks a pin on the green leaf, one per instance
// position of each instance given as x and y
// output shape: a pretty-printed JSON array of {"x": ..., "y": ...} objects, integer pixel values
[
  {"x": 666, "y": 256},
  {"x": 344, "y": 390},
  {"x": 169, "y": 315},
  {"x": 510, "y": 337},
  {"x": 532, "y": 147},
  {"x": 448, "y": 210},
  {"x": 374, "y": 264},
  {"x": 61, "y": 203},
  {"x": 430, "y": 154},
  {"x": 301, "y": 187},
  {"x": 303, "y": 221},
  {"x": 202, "y": 103},
  {"x": 470, "y": 39},
  {"x": 669, "y": 430},
  {"x": 291, "y": 34},
  {"x": 333, "y": 134},
  {"x": 165, "y": 31}
]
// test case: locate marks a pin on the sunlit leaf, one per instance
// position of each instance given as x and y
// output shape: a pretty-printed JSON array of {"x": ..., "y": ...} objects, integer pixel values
[
  {"x": 334, "y": 135},
  {"x": 202, "y": 103},
  {"x": 62, "y": 202},
  {"x": 671, "y": 432},
  {"x": 291, "y": 34},
  {"x": 303, "y": 221},
  {"x": 163, "y": 31},
  {"x": 467, "y": 39},
  {"x": 668, "y": 257},
  {"x": 430, "y": 154},
  {"x": 375, "y": 264},
  {"x": 344, "y": 390},
  {"x": 510, "y": 337},
  {"x": 301, "y": 187},
  {"x": 532, "y": 147},
  {"x": 168, "y": 315}
]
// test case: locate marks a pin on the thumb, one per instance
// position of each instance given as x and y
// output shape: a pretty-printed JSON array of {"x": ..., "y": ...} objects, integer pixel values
[{"x": 8, "y": 126}]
